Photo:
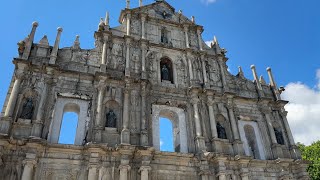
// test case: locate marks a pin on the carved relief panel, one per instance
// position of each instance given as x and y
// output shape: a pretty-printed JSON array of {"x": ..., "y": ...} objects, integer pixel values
[{"x": 117, "y": 60}]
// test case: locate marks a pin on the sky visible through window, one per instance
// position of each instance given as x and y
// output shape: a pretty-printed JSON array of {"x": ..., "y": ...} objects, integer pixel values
[
  {"x": 166, "y": 135},
  {"x": 68, "y": 128}
]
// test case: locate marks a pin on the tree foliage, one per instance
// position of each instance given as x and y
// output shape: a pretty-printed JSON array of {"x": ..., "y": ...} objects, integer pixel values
[{"x": 312, "y": 154}]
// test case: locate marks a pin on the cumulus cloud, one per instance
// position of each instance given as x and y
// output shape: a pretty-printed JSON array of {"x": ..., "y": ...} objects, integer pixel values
[
  {"x": 304, "y": 110},
  {"x": 209, "y": 43},
  {"x": 208, "y": 1}
]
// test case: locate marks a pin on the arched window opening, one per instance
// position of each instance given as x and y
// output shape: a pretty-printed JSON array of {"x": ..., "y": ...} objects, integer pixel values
[
  {"x": 68, "y": 128},
  {"x": 166, "y": 70},
  {"x": 166, "y": 135},
  {"x": 279, "y": 136},
  {"x": 252, "y": 141}
]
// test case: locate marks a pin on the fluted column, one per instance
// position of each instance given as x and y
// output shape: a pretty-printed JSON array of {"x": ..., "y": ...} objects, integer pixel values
[
  {"x": 127, "y": 70},
  {"x": 144, "y": 132},
  {"x": 190, "y": 69},
  {"x": 212, "y": 117},
  {"x": 234, "y": 126},
  {"x": 124, "y": 170},
  {"x": 204, "y": 72},
  {"x": 29, "y": 43},
  {"x": 104, "y": 51},
  {"x": 144, "y": 170},
  {"x": 222, "y": 176},
  {"x": 128, "y": 24},
  {"x": 101, "y": 91},
  {"x": 54, "y": 53},
  {"x": 143, "y": 59},
  {"x": 102, "y": 172},
  {"x": 223, "y": 75},
  {"x": 14, "y": 95},
  {"x": 199, "y": 31},
  {"x": 196, "y": 116},
  {"x": 143, "y": 20},
  {"x": 287, "y": 127},
  {"x": 28, "y": 169},
  {"x": 125, "y": 133},
  {"x": 266, "y": 113},
  {"x": 42, "y": 102},
  {"x": 93, "y": 175},
  {"x": 244, "y": 176},
  {"x": 186, "y": 29}
]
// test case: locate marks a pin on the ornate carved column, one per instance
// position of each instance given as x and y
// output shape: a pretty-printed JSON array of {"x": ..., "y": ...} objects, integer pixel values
[
  {"x": 14, "y": 94},
  {"x": 102, "y": 172},
  {"x": 204, "y": 72},
  {"x": 199, "y": 31},
  {"x": 98, "y": 126},
  {"x": 54, "y": 53},
  {"x": 124, "y": 170},
  {"x": 144, "y": 170},
  {"x": 29, "y": 165},
  {"x": 144, "y": 132},
  {"x": 186, "y": 29},
  {"x": 125, "y": 133},
  {"x": 213, "y": 124},
  {"x": 28, "y": 46},
  {"x": 266, "y": 111}
]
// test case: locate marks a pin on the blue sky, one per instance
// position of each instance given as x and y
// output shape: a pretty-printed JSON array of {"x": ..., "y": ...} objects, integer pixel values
[{"x": 284, "y": 35}]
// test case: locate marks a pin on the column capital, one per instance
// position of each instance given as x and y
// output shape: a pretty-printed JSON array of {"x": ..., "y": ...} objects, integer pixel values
[
  {"x": 145, "y": 168},
  {"x": 204, "y": 172},
  {"x": 194, "y": 101},
  {"x": 143, "y": 16},
  {"x": 124, "y": 167},
  {"x": 29, "y": 162}
]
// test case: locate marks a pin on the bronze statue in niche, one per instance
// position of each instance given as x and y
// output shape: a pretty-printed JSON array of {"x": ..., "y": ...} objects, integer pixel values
[
  {"x": 164, "y": 36},
  {"x": 221, "y": 131},
  {"x": 27, "y": 109},
  {"x": 279, "y": 136},
  {"x": 166, "y": 70},
  {"x": 111, "y": 119}
]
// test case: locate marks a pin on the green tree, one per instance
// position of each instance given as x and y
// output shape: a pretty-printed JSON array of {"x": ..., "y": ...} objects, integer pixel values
[{"x": 312, "y": 154}]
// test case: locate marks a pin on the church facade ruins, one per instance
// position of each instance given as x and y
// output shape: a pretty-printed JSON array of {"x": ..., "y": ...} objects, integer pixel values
[{"x": 154, "y": 65}]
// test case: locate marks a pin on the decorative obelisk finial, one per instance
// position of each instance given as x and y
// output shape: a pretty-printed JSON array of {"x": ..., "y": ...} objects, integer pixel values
[
  {"x": 128, "y": 4},
  {"x": 54, "y": 53},
  {"x": 29, "y": 42},
  {"x": 140, "y": 3}
]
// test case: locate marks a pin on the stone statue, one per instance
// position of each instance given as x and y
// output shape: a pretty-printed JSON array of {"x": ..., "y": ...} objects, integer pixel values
[
  {"x": 21, "y": 47},
  {"x": 111, "y": 119},
  {"x": 279, "y": 136},
  {"x": 27, "y": 109},
  {"x": 221, "y": 131},
  {"x": 164, "y": 38},
  {"x": 165, "y": 73}
]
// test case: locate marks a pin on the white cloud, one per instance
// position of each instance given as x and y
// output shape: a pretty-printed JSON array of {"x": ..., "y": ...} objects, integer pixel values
[
  {"x": 304, "y": 111},
  {"x": 209, "y": 43},
  {"x": 161, "y": 142},
  {"x": 208, "y": 1}
]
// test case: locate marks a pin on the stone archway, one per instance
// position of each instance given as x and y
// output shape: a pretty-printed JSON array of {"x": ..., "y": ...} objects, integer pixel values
[{"x": 178, "y": 118}]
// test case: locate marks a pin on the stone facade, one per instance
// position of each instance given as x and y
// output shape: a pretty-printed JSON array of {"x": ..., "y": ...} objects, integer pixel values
[{"x": 155, "y": 64}]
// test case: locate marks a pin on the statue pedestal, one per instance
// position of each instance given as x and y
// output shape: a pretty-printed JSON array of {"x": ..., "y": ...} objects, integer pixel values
[
  {"x": 125, "y": 137},
  {"x": 144, "y": 138},
  {"x": 103, "y": 68},
  {"x": 36, "y": 129},
  {"x": 295, "y": 152},
  {"x": 5, "y": 125},
  {"x": 238, "y": 148},
  {"x": 143, "y": 75},
  {"x": 201, "y": 145},
  {"x": 277, "y": 151}
]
